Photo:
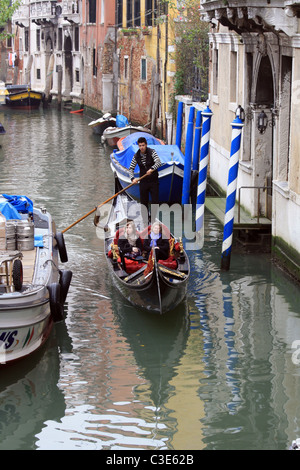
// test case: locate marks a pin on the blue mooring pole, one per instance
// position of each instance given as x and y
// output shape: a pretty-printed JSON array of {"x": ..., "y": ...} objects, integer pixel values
[
  {"x": 179, "y": 124},
  {"x": 185, "y": 199},
  {"x": 197, "y": 141},
  {"x": 237, "y": 126},
  {"x": 206, "y": 115}
]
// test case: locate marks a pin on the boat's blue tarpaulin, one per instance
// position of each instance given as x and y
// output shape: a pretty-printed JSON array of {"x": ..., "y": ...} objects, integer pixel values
[
  {"x": 166, "y": 153},
  {"x": 121, "y": 121},
  {"x": 9, "y": 211},
  {"x": 12, "y": 206},
  {"x": 133, "y": 138}
]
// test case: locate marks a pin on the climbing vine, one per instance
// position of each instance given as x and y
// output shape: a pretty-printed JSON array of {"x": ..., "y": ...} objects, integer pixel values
[{"x": 192, "y": 48}]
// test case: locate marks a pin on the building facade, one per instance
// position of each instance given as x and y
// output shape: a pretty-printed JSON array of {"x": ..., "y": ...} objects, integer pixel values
[
  {"x": 65, "y": 49},
  {"x": 98, "y": 54},
  {"x": 146, "y": 69},
  {"x": 255, "y": 64}
]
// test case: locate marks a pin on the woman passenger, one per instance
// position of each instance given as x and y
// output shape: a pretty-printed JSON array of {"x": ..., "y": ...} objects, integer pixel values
[{"x": 157, "y": 241}]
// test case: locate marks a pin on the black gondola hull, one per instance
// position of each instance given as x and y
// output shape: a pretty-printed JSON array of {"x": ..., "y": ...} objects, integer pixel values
[
  {"x": 158, "y": 295},
  {"x": 159, "y": 291}
]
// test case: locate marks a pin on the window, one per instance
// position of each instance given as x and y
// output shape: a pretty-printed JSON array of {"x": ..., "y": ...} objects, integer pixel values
[
  {"x": 92, "y": 11},
  {"x": 137, "y": 13},
  {"x": 143, "y": 69},
  {"x": 38, "y": 39},
  {"x": 102, "y": 12},
  {"x": 76, "y": 39},
  {"x": 26, "y": 39},
  {"x": 38, "y": 74},
  {"x": 215, "y": 71},
  {"x": 77, "y": 75},
  {"x": 233, "y": 77},
  {"x": 129, "y": 14},
  {"x": 120, "y": 13},
  {"x": 148, "y": 13},
  {"x": 59, "y": 45},
  {"x": 94, "y": 63},
  {"x": 126, "y": 67}
]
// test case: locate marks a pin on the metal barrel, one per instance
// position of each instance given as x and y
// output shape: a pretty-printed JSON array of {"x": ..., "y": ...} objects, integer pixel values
[
  {"x": 25, "y": 235},
  {"x": 10, "y": 230}
]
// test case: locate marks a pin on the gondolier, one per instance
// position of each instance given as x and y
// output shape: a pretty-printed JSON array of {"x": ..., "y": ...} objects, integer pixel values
[{"x": 149, "y": 162}]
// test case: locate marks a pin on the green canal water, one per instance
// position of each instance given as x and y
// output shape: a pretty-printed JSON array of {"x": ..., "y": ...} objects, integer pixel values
[{"x": 220, "y": 372}]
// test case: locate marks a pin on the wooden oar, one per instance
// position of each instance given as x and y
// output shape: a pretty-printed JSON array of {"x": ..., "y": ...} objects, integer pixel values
[{"x": 102, "y": 204}]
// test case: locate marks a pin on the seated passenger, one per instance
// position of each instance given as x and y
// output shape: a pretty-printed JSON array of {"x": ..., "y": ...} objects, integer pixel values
[
  {"x": 156, "y": 240},
  {"x": 130, "y": 244}
]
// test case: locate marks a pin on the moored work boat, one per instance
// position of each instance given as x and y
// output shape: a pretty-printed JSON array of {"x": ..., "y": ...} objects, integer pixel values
[
  {"x": 33, "y": 289},
  {"x": 170, "y": 173},
  {"x": 154, "y": 285},
  {"x": 22, "y": 97},
  {"x": 112, "y": 135},
  {"x": 99, "y": 125}
]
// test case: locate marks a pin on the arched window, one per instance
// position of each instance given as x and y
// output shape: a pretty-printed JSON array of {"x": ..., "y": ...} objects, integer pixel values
[{"x": 264, "y": 85}]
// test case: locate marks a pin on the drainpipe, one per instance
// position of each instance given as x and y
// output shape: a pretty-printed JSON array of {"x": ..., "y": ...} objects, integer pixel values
[{"x": 165, "y": 77}]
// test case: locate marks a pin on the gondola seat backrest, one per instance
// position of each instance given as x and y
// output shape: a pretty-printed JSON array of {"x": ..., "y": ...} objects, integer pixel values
[
  {"x": 131, "y": 266},
  {"x": 170, "y": 262}
]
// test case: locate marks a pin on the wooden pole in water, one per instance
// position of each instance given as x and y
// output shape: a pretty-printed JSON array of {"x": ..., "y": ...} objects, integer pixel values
[{"x": 179, "y": 124}]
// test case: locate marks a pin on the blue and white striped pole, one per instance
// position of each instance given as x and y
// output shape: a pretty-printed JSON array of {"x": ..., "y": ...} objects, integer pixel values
[
  {"x": 197, "y": 141},
  {"x": 179, "y": 124},
  {"x": 237, "y": 126},
  {"x": 185, "y": 199},
  {"x": 206, "y": 116}
]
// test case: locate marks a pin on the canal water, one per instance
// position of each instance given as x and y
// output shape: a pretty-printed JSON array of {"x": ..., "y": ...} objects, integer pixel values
[{"x": 220, "y": 372}]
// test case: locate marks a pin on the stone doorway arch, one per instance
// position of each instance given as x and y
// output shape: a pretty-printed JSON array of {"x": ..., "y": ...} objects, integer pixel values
[{"x": 262, "y": 144}]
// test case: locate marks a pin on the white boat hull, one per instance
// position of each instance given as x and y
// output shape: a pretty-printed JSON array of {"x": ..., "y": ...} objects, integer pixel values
[
  {"x": 111, "y": 135},
  {"x": 22, "y": 336},
  {"x": 28, "y": 309}
]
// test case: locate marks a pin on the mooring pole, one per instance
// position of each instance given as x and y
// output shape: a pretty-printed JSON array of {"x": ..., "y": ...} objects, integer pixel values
[
  {"x": 197, "y": 141},
  {"x": 237, "y": 126},
  {"x": 206, "y": 115},
  {"x": 188, "y": 158}
]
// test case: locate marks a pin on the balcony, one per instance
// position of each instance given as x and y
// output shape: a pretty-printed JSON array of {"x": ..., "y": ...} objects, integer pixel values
[
  {"x": 257, "y": 16},
  {"x": 21, "y": 16},
  {"x": 49, "y": 11}
]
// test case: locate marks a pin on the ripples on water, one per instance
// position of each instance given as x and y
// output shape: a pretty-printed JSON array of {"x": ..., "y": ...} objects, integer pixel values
[{"x": 216, "y": 374}]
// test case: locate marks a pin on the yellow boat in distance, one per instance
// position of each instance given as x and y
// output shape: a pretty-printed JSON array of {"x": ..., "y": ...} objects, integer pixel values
[{"x": 22, "y": 97}]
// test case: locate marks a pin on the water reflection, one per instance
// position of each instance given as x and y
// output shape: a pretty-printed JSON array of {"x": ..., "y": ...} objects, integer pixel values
[
  {"x": 217, "y": 375},
  {"x": 29, "y": 395}
]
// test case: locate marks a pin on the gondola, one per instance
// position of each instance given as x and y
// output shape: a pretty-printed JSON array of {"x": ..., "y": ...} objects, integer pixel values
[{"x": 154, "y": 285}]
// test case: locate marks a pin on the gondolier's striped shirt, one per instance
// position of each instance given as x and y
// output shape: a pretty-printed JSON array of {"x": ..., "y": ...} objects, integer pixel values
[{"x": 155, "y": 166}]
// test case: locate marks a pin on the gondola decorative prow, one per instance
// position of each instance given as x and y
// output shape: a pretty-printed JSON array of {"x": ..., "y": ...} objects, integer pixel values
[{"x": 150, "y": 264}]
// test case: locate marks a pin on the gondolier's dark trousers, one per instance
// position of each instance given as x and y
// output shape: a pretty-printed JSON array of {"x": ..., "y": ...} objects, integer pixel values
[{"x": 148, "y": 188}]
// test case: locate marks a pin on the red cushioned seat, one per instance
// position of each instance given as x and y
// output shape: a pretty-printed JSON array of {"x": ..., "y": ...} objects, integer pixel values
[
  {"x": 131, "y": 265},
  {"x": 169, "y": 263}
]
